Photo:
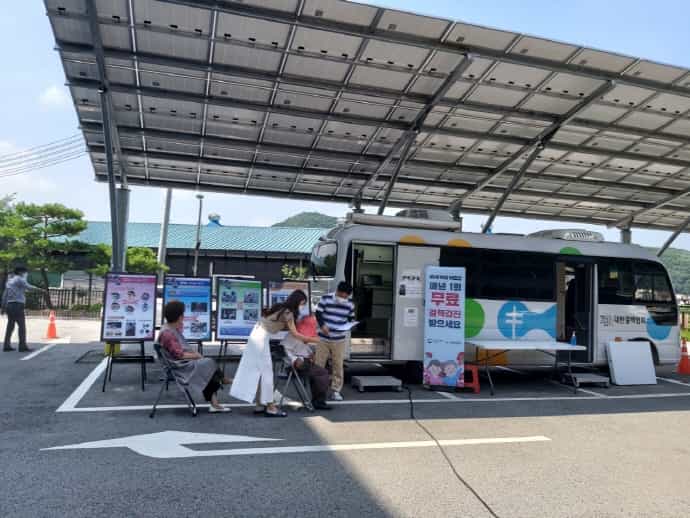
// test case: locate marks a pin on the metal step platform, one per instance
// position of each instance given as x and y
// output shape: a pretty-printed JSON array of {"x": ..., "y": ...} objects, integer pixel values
[
  {"x": 585, "y": 378},
  {"x": 363, "y": 382}
]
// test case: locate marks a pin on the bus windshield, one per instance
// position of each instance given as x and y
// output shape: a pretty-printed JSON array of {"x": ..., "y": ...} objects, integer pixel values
[{"x": 324, "y": 259}]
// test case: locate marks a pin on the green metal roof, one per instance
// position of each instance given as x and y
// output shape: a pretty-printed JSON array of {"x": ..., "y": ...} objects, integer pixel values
[{"x": 291, "y": 240}]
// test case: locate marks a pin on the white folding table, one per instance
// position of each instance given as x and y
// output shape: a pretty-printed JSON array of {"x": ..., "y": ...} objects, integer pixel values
[{"x": 550, "y": 348}]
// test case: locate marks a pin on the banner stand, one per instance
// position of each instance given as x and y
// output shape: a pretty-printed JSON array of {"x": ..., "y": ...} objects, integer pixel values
[{"x": 120, "y": 357}]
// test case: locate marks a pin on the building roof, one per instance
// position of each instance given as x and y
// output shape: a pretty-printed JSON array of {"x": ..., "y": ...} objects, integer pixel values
[
  {"x": 340, "y": 101},
  {"x": 233, "y": 239}
]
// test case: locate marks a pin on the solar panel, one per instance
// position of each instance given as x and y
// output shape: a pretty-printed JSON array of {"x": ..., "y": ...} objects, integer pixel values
[{"x": 337, "y": 101}]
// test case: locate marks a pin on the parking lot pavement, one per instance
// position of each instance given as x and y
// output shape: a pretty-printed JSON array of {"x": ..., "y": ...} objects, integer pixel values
[{"x": 535, "y": 449}]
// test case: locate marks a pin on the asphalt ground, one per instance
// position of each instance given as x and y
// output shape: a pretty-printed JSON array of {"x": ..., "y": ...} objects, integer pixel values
[{"x": 539, "y": 449}]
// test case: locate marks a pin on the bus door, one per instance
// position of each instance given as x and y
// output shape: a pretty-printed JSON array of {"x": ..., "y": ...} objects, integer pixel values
[
  {"x": 372, "y": 273},
  {"x": 409, "y": 300},
  {"x": 575, "y": 282}
]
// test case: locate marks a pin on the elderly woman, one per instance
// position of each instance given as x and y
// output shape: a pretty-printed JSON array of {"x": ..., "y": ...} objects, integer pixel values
[
  {"x": 201, "y": 374},
  {"x": 254, "y": 377}
]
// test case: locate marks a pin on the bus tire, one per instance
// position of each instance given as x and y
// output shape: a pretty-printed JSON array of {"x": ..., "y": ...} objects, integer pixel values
[{"x": 413, "y": 373}]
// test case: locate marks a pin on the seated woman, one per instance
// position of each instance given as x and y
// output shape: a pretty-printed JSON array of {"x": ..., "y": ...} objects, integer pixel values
[
  {"x": 199, "y": 373},
  {"x": 301, "y": 355},
  {"x": 254, "y": 377}
]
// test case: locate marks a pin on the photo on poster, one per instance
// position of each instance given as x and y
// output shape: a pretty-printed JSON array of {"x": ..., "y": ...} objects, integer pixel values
[
  {"x": 279, "y": 291},
  {"x": 128, "y": 307},
  {"x": 195, "y": 293},
  {"x": 239, "y": 308}
]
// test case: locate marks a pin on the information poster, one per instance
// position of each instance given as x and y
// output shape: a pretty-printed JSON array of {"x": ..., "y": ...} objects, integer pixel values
[
  {"x": 195, "y": 293},
  {"x": 279, "y": 291},
  {"x": 444, "y": 327},
  {"x": 238, "y": 307},
  {"x": 129, "y": 307}
]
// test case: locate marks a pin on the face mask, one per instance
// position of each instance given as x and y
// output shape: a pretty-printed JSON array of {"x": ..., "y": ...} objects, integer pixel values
[
  {"x": 304, "y": 311},
  {"x": 341, "y": 300}
]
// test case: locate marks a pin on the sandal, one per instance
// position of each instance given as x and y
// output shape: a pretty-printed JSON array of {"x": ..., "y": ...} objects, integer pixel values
[{"x": 277, "y": 413}]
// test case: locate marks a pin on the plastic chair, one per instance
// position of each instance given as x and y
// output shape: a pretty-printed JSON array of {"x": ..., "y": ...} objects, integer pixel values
[
  {"x": 474, "y": 384},
  {"x": 169, "y": 375}
]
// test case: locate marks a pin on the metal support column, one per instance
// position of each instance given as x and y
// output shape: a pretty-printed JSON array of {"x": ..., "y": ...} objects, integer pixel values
[
  {"x": 673, "y": 236},
  {"x": 115, "y": 262},
  {"x": 626, "y": 235},
  {"x": 401, "y": 162},
  {"x": 122, "y": 199},
  {"x": 163, "y": 240}
]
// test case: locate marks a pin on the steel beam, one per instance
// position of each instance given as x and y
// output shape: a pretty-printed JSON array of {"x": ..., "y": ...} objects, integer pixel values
[
  {"x": 163, "y": 239},
  {"x": 540, "y": 141},
  {"x": 511, "y": 186},
  {"x": 396, "y": 173},
  {"x": 666, "y": 201},
  {"x": 683, "y": 226},
  {"x": 626, "y": 235},
  {"x": 116, "y": 256},
  {"x": 411, "y": 132}
]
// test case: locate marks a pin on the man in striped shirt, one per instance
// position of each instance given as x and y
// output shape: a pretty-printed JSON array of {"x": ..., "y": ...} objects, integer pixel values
[{"x": 333, "y": 312}]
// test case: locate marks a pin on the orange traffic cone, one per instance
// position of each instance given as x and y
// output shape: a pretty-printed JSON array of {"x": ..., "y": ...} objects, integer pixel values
[
  {"x": 684, "y": 363},
  {"x": 52, "y": 329}
]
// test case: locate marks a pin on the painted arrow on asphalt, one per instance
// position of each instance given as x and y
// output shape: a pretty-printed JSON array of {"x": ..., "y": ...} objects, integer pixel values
[{"x": 169, "y": 445}]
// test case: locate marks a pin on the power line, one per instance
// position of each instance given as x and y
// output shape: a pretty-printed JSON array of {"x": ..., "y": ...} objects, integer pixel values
[
  {"x": 39, "y": 157},
  {"x": 33, "y": 149},
  {"x": 43, "y": 165}
]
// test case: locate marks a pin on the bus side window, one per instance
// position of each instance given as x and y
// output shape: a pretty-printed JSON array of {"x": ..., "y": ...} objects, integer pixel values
[
  {"x": 651, "y": 283},
  {"x": 615, "y": 281}
]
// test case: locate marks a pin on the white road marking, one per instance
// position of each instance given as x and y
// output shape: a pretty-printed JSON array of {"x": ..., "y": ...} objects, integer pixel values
[
  {"x": 446, "y": 395},
  {"x": 170, "y": 444},
  {"x": 579, "y": 389},
  {"x": 49, "y": 345},
  {"x": 669, "y": 380},
  {"x": 71, "y": 402}
]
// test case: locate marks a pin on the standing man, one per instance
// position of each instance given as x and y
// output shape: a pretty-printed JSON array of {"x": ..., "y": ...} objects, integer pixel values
[
  {"x": 334, "y": 311},
  {"x": 13, "y": 302}
]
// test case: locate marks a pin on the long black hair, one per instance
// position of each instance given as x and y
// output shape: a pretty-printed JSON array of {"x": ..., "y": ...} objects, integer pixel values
[{"x": 292, "y": 304}]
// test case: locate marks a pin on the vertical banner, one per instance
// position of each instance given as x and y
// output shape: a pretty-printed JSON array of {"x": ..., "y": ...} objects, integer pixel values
[
  {"x": 278, "y": 291},
  {"x": 129, "y": 307},
  {"x": 444, "y": 327},
  {"x": 238, "y": 307},
  {"x": 195, "y": 293}
]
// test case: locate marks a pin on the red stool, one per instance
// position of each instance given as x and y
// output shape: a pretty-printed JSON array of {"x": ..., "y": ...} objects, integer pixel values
[{"x": 474, "y": 384}]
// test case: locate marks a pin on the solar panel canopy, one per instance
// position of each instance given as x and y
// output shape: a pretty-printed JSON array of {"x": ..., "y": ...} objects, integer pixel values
[{"x": 314, "y": 99}]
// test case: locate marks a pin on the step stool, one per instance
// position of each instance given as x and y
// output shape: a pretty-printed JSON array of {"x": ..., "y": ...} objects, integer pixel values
[
  {"x": 474, "y": 384},
  {"x": 362, "y": 382}
]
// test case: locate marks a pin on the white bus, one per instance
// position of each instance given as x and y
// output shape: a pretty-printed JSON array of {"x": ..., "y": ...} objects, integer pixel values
[{"x": 544, "y": 286}]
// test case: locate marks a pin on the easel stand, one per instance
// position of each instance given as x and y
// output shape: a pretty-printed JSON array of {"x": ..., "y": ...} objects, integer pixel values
[
  {"x": 223, "y": 352},
  {"x": 141, "y": 358}
]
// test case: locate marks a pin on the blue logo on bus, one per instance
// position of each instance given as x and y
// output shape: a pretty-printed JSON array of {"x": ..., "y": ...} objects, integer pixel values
[
  {"x": 656, "y": 331},
  {"x": 515, "y": 320}
]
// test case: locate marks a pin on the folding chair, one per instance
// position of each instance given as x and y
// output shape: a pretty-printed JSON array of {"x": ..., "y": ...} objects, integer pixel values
[
  {"x": 291, "y": 375},
  {"x": 169, "y": 375}
]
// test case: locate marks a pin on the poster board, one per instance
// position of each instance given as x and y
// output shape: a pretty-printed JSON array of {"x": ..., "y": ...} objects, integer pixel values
[
  {"x": 444, "y": 326},
  {"x": 195, "y": 293},
  {"x": 129, "y": 307},
  {"x": 238, "y": 307},
  {"x": 278, "y": 291}
]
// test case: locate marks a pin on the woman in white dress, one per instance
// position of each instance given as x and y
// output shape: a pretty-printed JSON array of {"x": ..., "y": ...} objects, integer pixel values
[{"x": 254, "y": 377}]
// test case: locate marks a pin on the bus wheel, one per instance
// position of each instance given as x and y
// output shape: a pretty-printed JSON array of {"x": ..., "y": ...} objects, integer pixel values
[{"x": 413, "y": 373}]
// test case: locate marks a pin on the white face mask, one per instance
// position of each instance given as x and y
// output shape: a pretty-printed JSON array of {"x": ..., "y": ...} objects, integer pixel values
[
  {"x": 304, "y": 311},
  {"x": 341, "y": 300}
]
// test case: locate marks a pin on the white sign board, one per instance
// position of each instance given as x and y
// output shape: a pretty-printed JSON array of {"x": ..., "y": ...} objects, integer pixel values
[{"x": 631, "y": 363}]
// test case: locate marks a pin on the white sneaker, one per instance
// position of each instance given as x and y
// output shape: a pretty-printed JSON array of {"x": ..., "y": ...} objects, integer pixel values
[
  {"x": 336, "y": 396},
  {"x": 222, "y": 409}
]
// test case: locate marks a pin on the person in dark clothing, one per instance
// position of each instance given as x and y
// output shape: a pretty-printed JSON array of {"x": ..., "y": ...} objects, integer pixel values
[{"x": 13, "y": 303}]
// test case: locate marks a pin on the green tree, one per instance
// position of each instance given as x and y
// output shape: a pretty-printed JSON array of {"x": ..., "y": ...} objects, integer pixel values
[
  {"x": 296, "y": 273},
  {"x": 43, "y": 238},
  {"x": 139, "y": 260},
  {"x": 309, "y": 220}
]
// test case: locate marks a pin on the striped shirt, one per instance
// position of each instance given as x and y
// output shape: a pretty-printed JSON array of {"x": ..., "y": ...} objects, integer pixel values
[{"x": 334, "y": 314}]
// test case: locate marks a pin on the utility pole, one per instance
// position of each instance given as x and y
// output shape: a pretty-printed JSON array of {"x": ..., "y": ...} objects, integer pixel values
[{"x": 200, "y": 197}]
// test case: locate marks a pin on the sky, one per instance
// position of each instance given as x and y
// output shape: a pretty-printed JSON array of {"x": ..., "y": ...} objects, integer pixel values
[{"x": 36, "y": 106}]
